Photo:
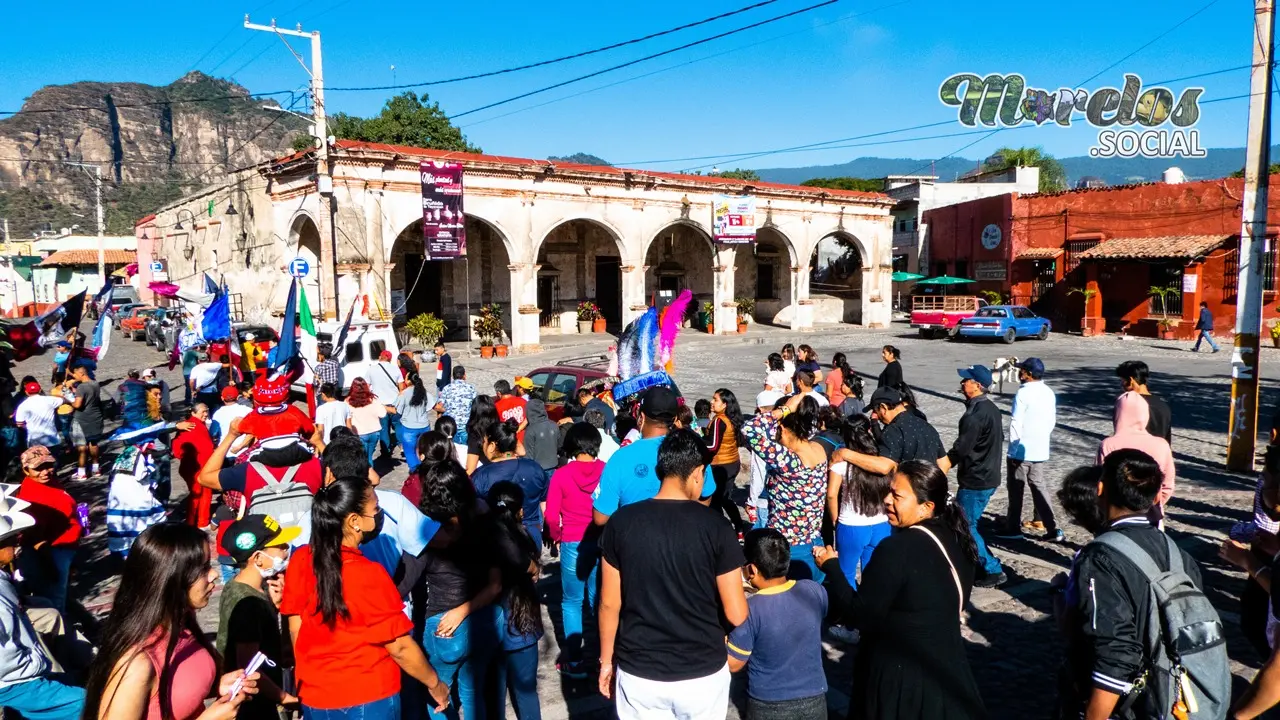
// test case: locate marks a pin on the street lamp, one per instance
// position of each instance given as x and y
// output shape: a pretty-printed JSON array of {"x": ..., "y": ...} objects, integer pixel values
[{"x": 178, "y": 226}]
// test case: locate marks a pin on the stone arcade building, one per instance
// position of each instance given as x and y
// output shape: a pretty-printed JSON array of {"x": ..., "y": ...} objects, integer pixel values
[{"x": 541, "y": 236}]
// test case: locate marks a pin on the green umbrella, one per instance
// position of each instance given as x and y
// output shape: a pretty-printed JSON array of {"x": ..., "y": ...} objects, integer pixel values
[
  {"x": 901, "y": 276},
  {"x": 945, "y": 280}
]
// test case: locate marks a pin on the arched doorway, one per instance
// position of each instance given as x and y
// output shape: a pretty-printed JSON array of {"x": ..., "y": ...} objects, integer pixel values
[
  {"x": 835, "y": 279},
  {"x": 580, "y": 260},
  {"x": 763, "y": 271},
  {"x": 304, "y": 240},
  {"x": 453, "y": 289},
  {"x": 680, "y": 257}
]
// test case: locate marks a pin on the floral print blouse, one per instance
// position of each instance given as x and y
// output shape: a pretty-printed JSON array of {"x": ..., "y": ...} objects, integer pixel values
[{"x": 796, "y": 493}]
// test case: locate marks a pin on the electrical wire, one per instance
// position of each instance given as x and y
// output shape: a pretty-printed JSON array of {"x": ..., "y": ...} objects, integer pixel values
[{"x": 629, "y": 63}]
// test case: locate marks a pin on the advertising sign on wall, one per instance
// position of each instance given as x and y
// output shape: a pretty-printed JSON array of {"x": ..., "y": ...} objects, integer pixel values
[
  {"x": 443, "y": 224},
  {"x": 733, "y": 219}
]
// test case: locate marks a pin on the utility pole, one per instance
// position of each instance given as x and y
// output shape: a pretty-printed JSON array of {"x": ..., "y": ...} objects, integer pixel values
[
  {"x": 102, "y": 218},
  {"x": 328, "y": 269},
  {"x": 1245, "y": 380}
]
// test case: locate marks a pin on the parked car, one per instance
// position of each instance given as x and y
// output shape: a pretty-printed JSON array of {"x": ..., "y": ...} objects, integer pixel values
[
  {"x": 134, "y": 326},
  {"x": 121, "y": 295},
  {"x": 123, "y": 311},
  {"x": 558, "y": 384},
  {"x": 939, "y": 315},
  {"x": 156, "y": 324},
  {"x": 1007, "y": 322},
  {"x": 366, "y": 339}
]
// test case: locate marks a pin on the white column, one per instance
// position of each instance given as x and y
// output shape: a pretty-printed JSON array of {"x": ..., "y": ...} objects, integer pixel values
[
  {"x": 524, "y": 307},
  {"x": 802, "y": 317},
  {"x": 726, "y": 314},
  {"x": 633, "y": 300}
]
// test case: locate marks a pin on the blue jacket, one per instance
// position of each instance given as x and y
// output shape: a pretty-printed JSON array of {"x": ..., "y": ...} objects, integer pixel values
[{"x": 1206, "y": 320}]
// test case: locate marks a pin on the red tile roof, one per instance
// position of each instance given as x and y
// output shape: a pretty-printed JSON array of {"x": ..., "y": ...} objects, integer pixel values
[
  {"x": 728, "y": 184},
  {"x": 89, "y": 257},
  {"x": 1180, "y": 247},
  {"x": 1039, "y": 253}
]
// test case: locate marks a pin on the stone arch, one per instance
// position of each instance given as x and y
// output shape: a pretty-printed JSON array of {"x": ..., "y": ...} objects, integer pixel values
[
  {"x": 451, "y": 289},
  {"x": 679, "y": 256},
  {"x": 578, "y": 259},
  {"x": 764, "y": 272},
  {"x": 304, "y": 241},
  {"x": 838, "y": 272}
]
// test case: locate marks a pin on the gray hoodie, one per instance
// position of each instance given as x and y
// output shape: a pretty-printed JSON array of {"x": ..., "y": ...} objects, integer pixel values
[
  {"x": 21, "y": 657},
  {"x": 541, "y": 437}
]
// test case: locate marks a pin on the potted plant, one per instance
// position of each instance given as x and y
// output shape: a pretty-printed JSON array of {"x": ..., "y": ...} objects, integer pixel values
[
  {"x": 1274, "y": 328},
  {"x": 1088, "y": 294},
  {"x": 587, "y": 314},
  {"x": 598, "y": 325},
  {"x": 488, "y": 327},
  {"x": 746, "y": 306},
  {"x": 709, "y": 317},
  {"x": 1168, "y": 328},
  {"x": 991, "y": 296},
  {"x": 426, "y": 328}
]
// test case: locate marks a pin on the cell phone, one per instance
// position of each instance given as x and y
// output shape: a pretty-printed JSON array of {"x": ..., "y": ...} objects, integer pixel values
[{"x": 257, "y": 661}]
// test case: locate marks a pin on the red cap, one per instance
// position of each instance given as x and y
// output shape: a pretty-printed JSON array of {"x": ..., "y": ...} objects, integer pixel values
[
  {"x": 271, "y": 392},
  {"x": 31, "y": 388},
  {"x": 385, "y": 355},
  {"x": 229, "y": 393}
]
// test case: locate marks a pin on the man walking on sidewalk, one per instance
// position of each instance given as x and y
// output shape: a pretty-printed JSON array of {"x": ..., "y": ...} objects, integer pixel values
[
  {"x": 1205, "y": 326},
  {"x": 1035, "y": 413}
]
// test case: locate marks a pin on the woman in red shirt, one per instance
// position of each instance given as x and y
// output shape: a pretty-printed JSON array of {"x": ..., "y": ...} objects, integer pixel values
[
  {"x": 51, "y": 544},
  {"x": 351, "y": 637},
  {"x": 193, "y": 448}
]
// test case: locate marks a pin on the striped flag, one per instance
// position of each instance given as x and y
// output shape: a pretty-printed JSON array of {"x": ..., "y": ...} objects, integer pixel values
[{"x": 305, "y": 320}]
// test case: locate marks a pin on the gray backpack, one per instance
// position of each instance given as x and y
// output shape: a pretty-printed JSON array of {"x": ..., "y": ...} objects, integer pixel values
[
  {"x": 285, "y": 500},
  {"x": 1185, "y": 650}
]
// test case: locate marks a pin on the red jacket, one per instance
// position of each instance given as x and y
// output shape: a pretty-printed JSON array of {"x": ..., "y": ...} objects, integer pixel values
[{"x": 192, "y": 448}]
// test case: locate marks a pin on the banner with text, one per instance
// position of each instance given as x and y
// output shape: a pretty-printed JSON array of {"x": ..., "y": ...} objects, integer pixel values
[
  {"x": 443, "y": 224},
  {"x": 733, "y": 219}
]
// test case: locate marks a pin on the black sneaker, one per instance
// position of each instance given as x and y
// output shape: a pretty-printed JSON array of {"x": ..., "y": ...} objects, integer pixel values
[
  {"x": 1054, "y": 536},
  {"x": 991, "y": 580},
  {"x": 1005, "y": 531}
]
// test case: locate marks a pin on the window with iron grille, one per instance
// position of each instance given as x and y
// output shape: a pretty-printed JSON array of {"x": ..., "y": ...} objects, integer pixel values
[
  {"x": 1231, "y": 275},
  {"x": 1269, "y": 266},
  {"x": 1168, "y": 277},
  {"x": 1074, "y": 248}
]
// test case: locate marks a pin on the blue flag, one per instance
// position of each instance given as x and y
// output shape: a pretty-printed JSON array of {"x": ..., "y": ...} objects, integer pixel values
[
  {"x": 217, "y": 320},
  {"x": 340, "y": 345},
  {"x": 210, "y": 286},
  {"x": 284, "y": 351},
  {"x": 102, "y": 330}
]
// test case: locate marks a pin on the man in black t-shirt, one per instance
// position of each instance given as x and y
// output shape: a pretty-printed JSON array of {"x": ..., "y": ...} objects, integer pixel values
[
  {"x": 1134, "y": 375},
  {"x": 672, "y": 567}
]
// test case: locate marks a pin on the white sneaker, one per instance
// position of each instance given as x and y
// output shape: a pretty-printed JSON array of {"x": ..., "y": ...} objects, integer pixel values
[
  {"x": 96, "y": 471},
  {"x": 81, "y": 474},
  {"x": 844, "y": 635}
]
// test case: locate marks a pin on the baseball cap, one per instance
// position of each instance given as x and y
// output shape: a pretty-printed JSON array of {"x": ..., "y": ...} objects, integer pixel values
[
  {"x": 252, "y": 533},
  {"x": 31, "y": 388},
  {"x": 37, "y": 455},
  {"x": 384, "y": 355},
  {"x": 524, "y": 383},
  {"x": 885, "y": 396},
  {"x": 768, "y": 398},
  {"x": 230, "y": 393},
  {"x": 149, "y": 373},
  {"x": 977, "y": 373},
  {"x": 659, "y": 402},
  {"x": 1032, "y": 365}
]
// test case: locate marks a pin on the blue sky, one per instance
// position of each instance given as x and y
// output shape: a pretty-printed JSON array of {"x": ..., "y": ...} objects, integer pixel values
[{"x": 848, "y": 69}]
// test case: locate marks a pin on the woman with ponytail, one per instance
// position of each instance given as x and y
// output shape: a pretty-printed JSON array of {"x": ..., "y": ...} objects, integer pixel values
[
  {"x": 413, "y": 412},
  {"x": 501, "y": 447},
  {"x": 797, "y": 476},
  {"x": 911, "y": 661},
  {"x": 855, "y": 498},
  {"x": 722, "y": 435},
  {"x": 840, "y": 372},
  {"x": 520, "y": 613},
  {"x": 351, "y": 637}
]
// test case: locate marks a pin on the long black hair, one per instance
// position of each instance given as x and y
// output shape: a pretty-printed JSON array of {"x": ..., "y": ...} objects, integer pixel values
[
  {"x": 775, "y": 362},
  {"x": 804, "y": 420},
  {"x": 484, "y": 414},
  {"x": 789, "y": 348},
  {"x": 909, "y": 398},
  {"x": 447, "y": 493},
  {"x": 524, "y": 615},
  {"x": 419, "y": 391},
  {"x": 894, "y": 352},
  {"x": 435, "y": 447},
  {"x": 154, "y": 595},
  {"x": 329, "y": 511},
  {"x": 407, "y": 365},
  {"x": 861, "y": 490},
  {"x": 504, "y": 436},
  {"x": 855, "y": 385},
  {"x": 929, "y": 484},
  {"x": 732, "y": 410},
  {"x": 841, "y": 363},
  {"x": 447, "y": 426}
]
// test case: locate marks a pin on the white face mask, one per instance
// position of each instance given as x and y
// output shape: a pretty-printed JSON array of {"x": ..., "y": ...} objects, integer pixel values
[{"x": 278, "y": 566}]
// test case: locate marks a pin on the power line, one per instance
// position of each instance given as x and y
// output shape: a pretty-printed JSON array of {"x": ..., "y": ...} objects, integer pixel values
[
  {"x": 574, "y": 56},
  {"x": 645, "y": 58},
  {"x": 222, "y": 39}
]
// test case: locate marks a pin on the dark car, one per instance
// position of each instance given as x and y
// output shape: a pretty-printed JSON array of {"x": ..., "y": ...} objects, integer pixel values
[
  {"x": 123, "y": 311},
  {"x": 558, "y": 384}
]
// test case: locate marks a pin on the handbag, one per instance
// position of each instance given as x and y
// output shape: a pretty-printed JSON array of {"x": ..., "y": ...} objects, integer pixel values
[{"x": 954, "y": 575}]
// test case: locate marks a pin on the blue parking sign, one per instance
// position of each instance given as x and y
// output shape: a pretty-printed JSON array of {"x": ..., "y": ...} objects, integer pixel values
[{"x": 299, "y": 267}]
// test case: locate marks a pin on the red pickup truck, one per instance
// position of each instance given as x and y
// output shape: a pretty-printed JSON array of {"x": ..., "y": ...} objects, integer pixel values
[
  {"x": 940, "y": 315},
  {"x": 134, "y": 326}
]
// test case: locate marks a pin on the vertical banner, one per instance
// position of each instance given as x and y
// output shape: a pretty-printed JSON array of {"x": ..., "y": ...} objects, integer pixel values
[
  {"x": 443, "y": 224},
  {"x": 733, "y": 219}
]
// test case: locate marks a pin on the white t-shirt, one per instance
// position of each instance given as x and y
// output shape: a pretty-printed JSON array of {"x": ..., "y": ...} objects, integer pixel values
[
  {"x": 223, "y": 416},
  {"x": 204, "y": 376},
  {"x": 778, "y": 380},
  {"x": 38, "y": 413},
  {"x": 818, "y": 398},
  {"x": 608, "y": 446},
  {"x": 331, "y": 415},
  {"x": 384, "y": 381},
  {"x": 849, "y": 516}
]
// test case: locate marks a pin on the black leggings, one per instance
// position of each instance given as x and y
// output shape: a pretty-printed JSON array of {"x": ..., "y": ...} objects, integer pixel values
[{"x": 722, "y": 498}]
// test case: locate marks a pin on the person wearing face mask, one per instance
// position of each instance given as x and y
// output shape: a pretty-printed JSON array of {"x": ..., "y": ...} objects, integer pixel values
[
  {"x": 248, "y": 621},
  {"x": 350, "y": 634}
]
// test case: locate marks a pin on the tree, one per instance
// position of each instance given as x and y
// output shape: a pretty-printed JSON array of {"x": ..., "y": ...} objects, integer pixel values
[
  {"x": 581, "y": 159},
  {"x": 406, "y": 119},
  {"x": 1274, "y": 169},
  {"x": 846, "y": 183},
  {"x": 1052, "y": 175},
  {"x": 737, "y": 174}
]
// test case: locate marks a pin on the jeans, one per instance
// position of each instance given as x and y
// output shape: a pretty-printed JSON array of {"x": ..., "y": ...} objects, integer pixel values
[
  {"x": 370, "y": 443},
  {"x": 408, "y": 437},
  {"x": 579, "y": 563},
  {"x": 1204, "y": 335},
  {"x": 186, "y": 389},
  {"x": 810, "y": 708},
  {"x": 46, "y": 573},
  {"x": 855, "y": 543},
  {"x": 518, "y": 675},
  {"x": 1019, "y": 474},
  {"x": 973, "y": 502},
  {"x": 463, "y": 661},
  {"x": 803, "y": 566},
  {"x": 388, "y": 707},
  {"x": 535, "y": 532},
  {"x": 44, "y": 699},
  {"x": 384, "y": 435}
]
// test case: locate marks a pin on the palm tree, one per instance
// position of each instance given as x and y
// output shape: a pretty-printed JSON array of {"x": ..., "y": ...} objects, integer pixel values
[{"x": 1053, "y": 176}]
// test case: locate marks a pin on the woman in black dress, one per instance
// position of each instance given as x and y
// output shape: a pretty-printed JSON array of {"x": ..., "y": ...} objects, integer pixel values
[
  {"x": 891, "y": 376},
  {"x": 911, "y": 662}
]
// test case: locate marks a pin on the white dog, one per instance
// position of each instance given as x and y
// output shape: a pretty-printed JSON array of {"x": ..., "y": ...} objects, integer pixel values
[{"x": 1004, "y": 370}]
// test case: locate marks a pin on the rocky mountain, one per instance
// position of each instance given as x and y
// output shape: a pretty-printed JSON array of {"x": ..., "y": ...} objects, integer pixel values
[{"x": 151, "y": 142}]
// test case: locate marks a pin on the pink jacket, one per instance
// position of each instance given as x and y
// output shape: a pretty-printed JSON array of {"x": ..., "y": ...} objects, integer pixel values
[
  {"x": 1132, "y": 415},
  {"x": 569, "y": 500}
]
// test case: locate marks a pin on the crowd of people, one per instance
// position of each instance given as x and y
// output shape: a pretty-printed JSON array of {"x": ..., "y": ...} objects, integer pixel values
[{"x": 343, "y": 599}]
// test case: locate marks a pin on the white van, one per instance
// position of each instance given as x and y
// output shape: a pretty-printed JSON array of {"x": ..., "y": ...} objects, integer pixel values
[{"x": 366, "y": 339}]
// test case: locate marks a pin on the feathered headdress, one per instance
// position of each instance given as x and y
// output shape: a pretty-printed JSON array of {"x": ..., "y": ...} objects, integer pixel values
[{"x": 646, "y": 347}]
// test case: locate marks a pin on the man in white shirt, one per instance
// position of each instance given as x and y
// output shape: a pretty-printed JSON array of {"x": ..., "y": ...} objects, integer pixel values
[
  {"x": 38, "y": 414},
  {"x": 1035, "y": 413},
  {"x": 332, "y": 412},
  {"x": 806, "y": 380},
  {"x": 204, "y": 382},
  {"x": 222, "y": 417},
  {"x": 384, "y": 380}
]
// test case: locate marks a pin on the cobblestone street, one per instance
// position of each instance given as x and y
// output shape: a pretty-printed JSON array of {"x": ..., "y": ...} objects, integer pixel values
[{"x": 1014, "y": 647}]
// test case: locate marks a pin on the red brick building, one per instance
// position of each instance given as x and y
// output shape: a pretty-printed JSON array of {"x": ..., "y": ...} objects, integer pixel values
[{"x": 1043, "y": 250}]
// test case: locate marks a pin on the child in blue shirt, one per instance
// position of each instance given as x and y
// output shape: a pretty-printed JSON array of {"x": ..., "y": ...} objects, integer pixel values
[{"x": 780, "y": 644}]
